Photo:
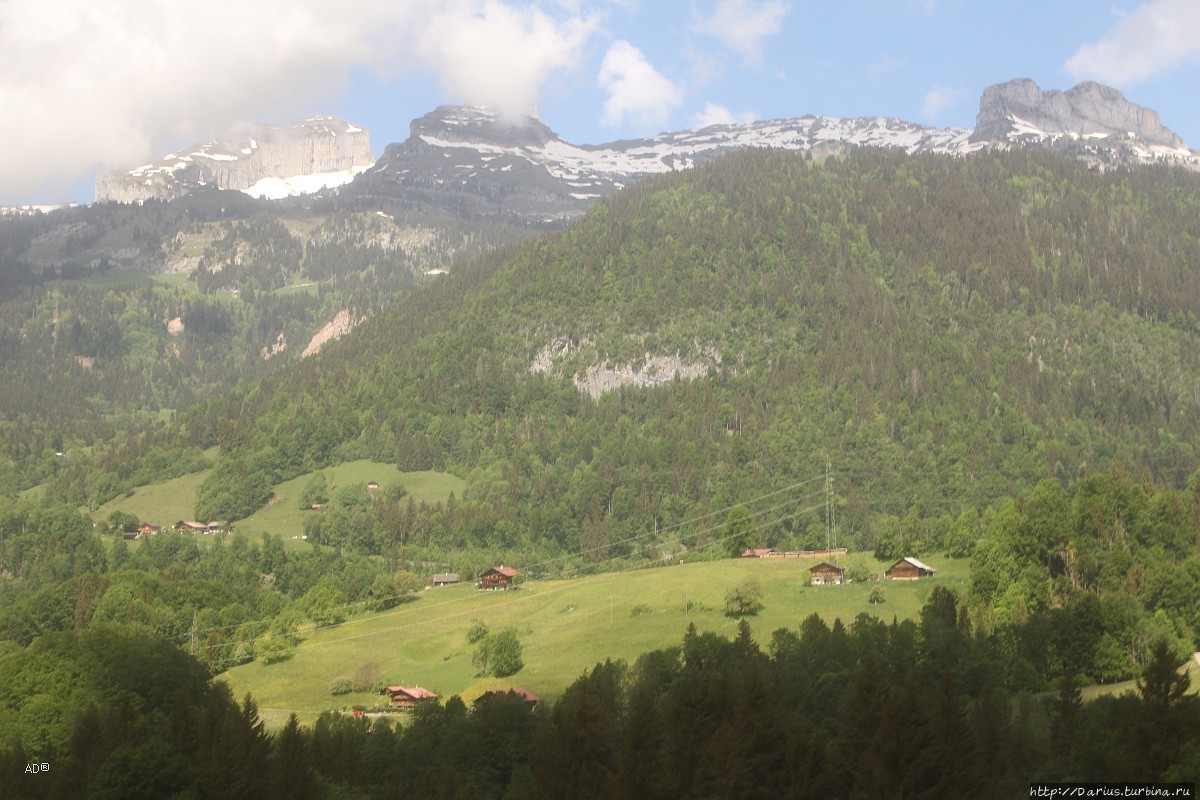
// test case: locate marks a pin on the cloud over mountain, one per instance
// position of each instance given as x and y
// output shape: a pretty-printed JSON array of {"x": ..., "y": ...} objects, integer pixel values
[
  {"x": 637, "y": 91},
  {"x": 89, "y": 85}
]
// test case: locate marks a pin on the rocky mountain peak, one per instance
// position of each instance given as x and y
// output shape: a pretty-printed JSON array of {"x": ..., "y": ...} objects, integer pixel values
[
  {"x": 457, "y": 125},
  {"x": 1020, "y": 109}
]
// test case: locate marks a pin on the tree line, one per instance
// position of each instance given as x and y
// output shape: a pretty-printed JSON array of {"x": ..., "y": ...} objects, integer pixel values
[{"x": 924, "y": 707}]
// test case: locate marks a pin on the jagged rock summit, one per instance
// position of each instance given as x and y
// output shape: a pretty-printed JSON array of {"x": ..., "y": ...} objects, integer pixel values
[
  {"x": 262, "y": 160},
  {"x": 1020, "y": 112}
]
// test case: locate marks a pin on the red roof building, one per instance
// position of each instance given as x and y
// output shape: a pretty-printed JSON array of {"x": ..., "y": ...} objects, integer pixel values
[
  {"x": 406, "y": 698},
  {"x": 497, "y": 578},
  {"x": 530, "y": 699}
]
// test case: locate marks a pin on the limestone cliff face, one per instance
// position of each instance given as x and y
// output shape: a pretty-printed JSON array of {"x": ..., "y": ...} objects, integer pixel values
[
  {"x": 262, "y": 159},
  {"x": 1020, "y": 108}
]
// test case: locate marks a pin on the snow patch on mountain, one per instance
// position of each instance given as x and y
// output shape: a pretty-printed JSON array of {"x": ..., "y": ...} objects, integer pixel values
[{"x": 276, "y": 188}]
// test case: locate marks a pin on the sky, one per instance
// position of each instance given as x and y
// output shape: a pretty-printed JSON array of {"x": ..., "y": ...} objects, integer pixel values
[{"x": 88, "y": 85}]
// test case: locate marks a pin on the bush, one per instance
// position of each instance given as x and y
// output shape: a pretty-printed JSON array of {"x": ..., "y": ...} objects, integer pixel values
[
  {"x": 316, "y": 491},
  {"x": 342, "y": 685},
  {"x": 368, "y": 678},
  {"x": 506, "y": 654},
  {"x": 744, "y": 599},
  {"x": 498, "y": 655},
  {"x": 858, "y": 573},
  {"x": 477, "y": 632},
  {"x": 276, "y": 649}
]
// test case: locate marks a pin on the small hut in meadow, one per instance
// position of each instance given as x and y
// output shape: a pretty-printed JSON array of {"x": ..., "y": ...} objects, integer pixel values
[
  {"x": 826, "y": 574},
  {"x": 909, "y": 569}
]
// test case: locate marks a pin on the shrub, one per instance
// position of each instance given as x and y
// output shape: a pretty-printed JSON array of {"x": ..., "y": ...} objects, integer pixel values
[
  {"x": 342, "y": 685},
  {"x": 498, "y": 655},
  {"x": 744, "y": 599},
  {"x": 367, "y": 678},
  {"x": 477, "y": 632}
]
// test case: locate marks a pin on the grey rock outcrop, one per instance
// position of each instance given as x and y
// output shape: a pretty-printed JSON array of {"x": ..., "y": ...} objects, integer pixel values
[
  {"x": 1019, "y": 108},
  {"x": 325, "y": 150}
]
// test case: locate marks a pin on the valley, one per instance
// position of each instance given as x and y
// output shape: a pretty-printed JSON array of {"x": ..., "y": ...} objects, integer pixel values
[{"x": 984, "y": 359}]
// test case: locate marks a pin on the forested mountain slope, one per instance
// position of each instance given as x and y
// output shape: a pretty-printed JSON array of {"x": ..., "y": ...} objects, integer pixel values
[
  {"x": 943, "y": 332},
  {"x": 113, "y": 315}
]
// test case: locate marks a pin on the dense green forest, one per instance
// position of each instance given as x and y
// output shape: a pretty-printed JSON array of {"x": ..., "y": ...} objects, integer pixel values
[
  {"x": 943, "y": 332},
  {"x": 115, "y": 317}
]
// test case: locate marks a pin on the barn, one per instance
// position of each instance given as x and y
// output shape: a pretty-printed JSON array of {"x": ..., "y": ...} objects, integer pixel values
[
  {"x": 826, "y": 574},
  {"x": 909, "y": 569}
]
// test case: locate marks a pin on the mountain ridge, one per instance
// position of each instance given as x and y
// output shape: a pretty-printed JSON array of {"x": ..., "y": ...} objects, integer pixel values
[{"x": 472, "y": 162}]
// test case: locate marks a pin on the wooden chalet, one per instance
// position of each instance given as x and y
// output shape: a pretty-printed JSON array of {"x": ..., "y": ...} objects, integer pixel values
[
  {"x": 148, "y": 529},
  {"x": 529, "y": 698},
  {"x": 445, "y": 578},
  {"x": 407, "y": 698},
  {"x": 497, "y": 578},
  {"x": 909, "y": 569},
  {"x": 191, "y": 526},
  {"x": 826, "y": 574}
]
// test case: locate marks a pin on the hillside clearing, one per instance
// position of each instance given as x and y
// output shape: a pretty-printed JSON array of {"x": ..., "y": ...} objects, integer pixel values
[{"x": 565, "y": 627}]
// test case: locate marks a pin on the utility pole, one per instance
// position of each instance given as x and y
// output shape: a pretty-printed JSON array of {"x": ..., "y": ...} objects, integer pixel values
[{"x": 829, "y": 505}]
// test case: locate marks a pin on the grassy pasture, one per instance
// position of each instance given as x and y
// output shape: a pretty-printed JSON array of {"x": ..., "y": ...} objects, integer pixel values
[
  {"x": 565, "y": 627},
  {"x": 170, "y": 501},
  {"x": 164, "y": 503},
  {"x": 283, "y": 515}
]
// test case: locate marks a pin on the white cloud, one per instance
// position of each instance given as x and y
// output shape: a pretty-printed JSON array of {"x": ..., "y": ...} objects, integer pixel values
[
  {"x": 939, "y": 99},
  {"x": 86, "y": 85},
  {"x": 743, "y": 25},
  {"x": 1154, "y": 38},
  {"x": 500, "y": 55},
  {"x": 714, "y": 114},
  {"x": 637, "y": 92}
]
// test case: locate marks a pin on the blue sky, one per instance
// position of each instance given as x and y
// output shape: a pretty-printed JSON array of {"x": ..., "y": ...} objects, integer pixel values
[{"x": 86, "y": 85}]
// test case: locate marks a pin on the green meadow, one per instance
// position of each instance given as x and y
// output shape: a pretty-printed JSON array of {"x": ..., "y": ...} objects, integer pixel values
[
  {"x": 163, "y": 503},
  {"x": 170, "y": 501},
  {"x": 565, "y": 628}
]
